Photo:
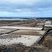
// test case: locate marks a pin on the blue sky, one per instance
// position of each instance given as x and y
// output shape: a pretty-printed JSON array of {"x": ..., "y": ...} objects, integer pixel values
[{"x": 25, "y": 8}]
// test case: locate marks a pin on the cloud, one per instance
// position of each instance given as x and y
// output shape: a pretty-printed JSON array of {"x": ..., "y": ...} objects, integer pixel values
[
  {"x": 18, "y": 2},
  {"x": 17, "y": 14},
  {"x": 25, "y": 8}
]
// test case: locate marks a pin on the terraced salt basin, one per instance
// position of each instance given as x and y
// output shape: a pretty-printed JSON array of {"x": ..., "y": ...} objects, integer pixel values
[
  {"x": 3, "y": 30},
  {"x": 21, "y": 27},
  {"x": 26, "y": 40},
  {"x": 23, "y": 36},
  {"x": 29, "y": 32},
  {"x": 18, "y": 37}
]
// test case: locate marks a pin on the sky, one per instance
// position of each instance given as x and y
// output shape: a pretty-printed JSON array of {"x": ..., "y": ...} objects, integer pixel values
[{"x": 25, "y": 8}]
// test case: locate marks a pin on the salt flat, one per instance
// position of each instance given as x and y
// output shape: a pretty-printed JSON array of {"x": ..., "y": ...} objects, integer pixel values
[
  {"x": 26, "y": 40},
  {"x": 29, "y": 32},
  {"x": 19, "y": 27}
]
